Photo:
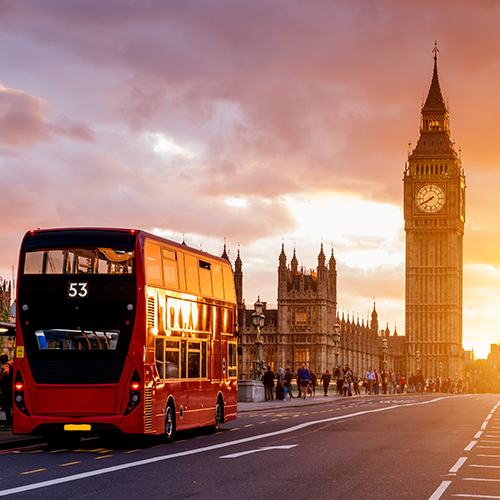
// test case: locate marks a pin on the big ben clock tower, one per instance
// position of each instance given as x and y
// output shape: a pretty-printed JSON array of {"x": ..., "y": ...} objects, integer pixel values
[{"x": 434, "y": 213}]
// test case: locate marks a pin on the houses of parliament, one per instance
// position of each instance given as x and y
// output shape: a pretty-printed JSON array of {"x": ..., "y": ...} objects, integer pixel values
[{"x": 300, "y": 328}]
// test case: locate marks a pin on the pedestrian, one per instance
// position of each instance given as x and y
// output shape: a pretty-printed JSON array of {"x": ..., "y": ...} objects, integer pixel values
[
  {"x": 356, "y": 381},
  {"x": 288, "y": 383},
  {"x": 419, "y": 382},
  {"x": 268, "y": 379},
  {"x": 376, "y": 387},
  {"x": 339, "y": 375},
  {"x": 280, "y": 381},
  {"x": 304, "y": 379},
  {"x": 370, "y": 379},
  {"x": 326, "y": 378},
  {"x": 347, "y": 381},
  {"x": 383, "y": 376},
  {"x": 314, "y": 381},
  {"x": 6, "y": 390}
]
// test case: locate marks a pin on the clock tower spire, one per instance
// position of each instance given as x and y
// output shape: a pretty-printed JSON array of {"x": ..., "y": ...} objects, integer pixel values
[{"x": 434, "y": 212}]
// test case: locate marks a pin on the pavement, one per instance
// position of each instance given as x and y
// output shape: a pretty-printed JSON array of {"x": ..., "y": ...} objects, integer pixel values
[{"x": 10, "y": 440}]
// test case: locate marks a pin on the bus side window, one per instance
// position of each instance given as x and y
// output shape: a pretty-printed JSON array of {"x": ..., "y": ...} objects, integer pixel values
[
  {"x": 182, "y": 272},
  {"x": 194, "y": 360},
  {"x": 229, "y": 292},
  {"x": 204, "y": 359},
  {"x": 172, "y": 359},
  {"x": 170, "y": 269},
  {"x": 192, "y": 283},
  {"x": 232, "y": 359},
  {"x": 160, "y": 357},
  {"x": 183, "y": 359},
  {"x": 205, "y": 278},
  {"x": 152, "y": 257},
  {"x": 217, "y": 281}
]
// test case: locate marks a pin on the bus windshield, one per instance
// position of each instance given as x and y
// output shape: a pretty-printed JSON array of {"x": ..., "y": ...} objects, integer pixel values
[
  {"x": 79, "y": 261},
  {"x": 77, "y": 340}
]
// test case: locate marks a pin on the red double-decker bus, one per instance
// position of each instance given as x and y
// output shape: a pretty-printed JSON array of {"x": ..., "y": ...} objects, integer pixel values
[{"x": 122, "y": 330}]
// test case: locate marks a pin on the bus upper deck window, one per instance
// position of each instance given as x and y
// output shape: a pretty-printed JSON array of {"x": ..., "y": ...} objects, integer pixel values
[
  {"x": 170, "y": 269},
  {"x": 152, "y": 256}
]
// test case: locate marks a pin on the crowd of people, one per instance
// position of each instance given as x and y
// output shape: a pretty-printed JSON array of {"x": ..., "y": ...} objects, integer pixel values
[{"x": 346, "y": 383}]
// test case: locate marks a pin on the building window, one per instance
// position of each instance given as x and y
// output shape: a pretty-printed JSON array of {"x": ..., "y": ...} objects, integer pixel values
[{"x": 301, "y": 318}]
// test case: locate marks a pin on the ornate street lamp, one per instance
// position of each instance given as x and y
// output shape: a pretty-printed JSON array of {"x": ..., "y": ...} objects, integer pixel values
[
  {"x": 258, "y": 320},
  {"x": 418, "y": 360},
  {"x": 385, "y": 349},
  {"x": 336, "y": 341}
]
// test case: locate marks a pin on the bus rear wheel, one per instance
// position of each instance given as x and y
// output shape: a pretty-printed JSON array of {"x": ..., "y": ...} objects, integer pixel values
[
  {"x": 218, "y": 415},
  {"x": 169, "y": 422}
]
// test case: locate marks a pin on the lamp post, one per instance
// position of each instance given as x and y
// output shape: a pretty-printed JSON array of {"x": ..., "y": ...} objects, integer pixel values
[
  {"x": 336, "y": 341},
  {"x": 385, "y": 348},
  {"x": 258, "y": 320},
  {"x": 418, "y": 360}
]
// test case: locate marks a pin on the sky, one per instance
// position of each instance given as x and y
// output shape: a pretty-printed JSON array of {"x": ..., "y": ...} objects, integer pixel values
[{"x": 256, "y": 123}]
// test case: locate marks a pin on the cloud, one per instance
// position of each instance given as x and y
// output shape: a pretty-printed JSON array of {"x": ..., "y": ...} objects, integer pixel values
[{"x": 23, "y": 119}]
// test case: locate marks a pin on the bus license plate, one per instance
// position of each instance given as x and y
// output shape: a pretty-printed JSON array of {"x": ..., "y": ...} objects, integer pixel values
[{"x": 77, "y": 427}]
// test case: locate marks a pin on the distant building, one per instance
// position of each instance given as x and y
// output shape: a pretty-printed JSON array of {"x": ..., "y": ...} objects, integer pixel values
[
  {"x": 5, "y": 299},
  {"x": 300, "y": 328},
  {"x": 434, "y": 213}
]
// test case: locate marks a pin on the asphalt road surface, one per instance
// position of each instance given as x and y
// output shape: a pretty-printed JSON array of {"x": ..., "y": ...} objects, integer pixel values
[{"x": 403, "y": 447}]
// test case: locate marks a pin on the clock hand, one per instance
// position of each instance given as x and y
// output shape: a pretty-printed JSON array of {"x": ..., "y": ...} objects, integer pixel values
[{"x": 428, "y": 199}]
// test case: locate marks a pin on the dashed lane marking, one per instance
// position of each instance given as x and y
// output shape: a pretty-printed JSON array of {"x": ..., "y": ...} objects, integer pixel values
[
  {"x": 32, "y": 471},
  {"x": 69, "y": 463}
]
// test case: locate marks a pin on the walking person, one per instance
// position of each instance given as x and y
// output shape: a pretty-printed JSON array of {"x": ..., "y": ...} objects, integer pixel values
[
  {"x": 314, "y": 381},
  {"x": 280, "y": 388},
  {"x": 326, "y": 378},
  {"x": 304, "y": 379},
  {"x": 339, "y": 375},
  {"x": 288, "y": 383},
  {"x": 6, "y": 390},
  {"x": 268, "y": 379},
  {"x": 370, "y": 379},
  {"x": 356, "y": 381},
  {"x": 347, "y": 381},
  {"x": 376, "y": 382}
]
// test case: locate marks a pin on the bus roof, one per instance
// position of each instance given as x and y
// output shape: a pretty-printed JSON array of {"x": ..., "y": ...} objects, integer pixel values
[{"x": 139, "y": 233}]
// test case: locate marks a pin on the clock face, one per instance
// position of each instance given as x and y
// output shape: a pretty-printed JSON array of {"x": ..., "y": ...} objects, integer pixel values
[{"x": 430, "y": 198}]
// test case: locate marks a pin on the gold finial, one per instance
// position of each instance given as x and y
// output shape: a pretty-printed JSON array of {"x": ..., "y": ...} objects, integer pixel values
[{"x": 435, "y": 50}]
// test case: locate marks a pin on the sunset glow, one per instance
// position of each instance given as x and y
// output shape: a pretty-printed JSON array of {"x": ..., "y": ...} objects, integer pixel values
[{"x": 263, "y": 123}]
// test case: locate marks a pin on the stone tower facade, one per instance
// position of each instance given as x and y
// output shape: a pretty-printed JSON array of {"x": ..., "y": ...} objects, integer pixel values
[
  {"x": 434, "y": 213},
  {"x": 299, "y": 330}
]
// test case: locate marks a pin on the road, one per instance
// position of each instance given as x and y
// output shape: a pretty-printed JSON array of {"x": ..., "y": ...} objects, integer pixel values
[{"x": 403, "y": 447}]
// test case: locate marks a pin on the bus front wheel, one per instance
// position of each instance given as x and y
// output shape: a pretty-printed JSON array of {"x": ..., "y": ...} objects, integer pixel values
[{"x": 169, "y": 422}]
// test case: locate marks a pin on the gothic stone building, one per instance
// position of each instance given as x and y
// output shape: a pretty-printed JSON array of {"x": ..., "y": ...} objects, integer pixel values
[{"x": 299, "y": 330}]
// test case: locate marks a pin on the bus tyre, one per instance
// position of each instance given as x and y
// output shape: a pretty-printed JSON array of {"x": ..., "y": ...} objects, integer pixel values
[
  {"x": 169, "y": 422},
  {"x": 218, "y": 415}
]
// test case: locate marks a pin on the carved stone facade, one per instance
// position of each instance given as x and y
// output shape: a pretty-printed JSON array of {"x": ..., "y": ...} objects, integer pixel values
[
  {"x": 299, "y": 330},
  {"x": 434, "y": 212}
]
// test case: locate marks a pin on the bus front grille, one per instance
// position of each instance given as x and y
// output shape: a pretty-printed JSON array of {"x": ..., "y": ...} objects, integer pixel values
[
  {"x": 148, "y": 409},
  {"x": 76, "y": 372}
]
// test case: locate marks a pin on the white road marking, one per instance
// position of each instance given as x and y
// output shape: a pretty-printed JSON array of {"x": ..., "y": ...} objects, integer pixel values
[
  {"x": 266, "y": 448},
  {"x": 478, "y": 435},
  {"x": 470, "y": 446},
  {"x": 442, "y": 487},
  {"x": 459, "y": 464},
  {"x": 161, "y": 458}
]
